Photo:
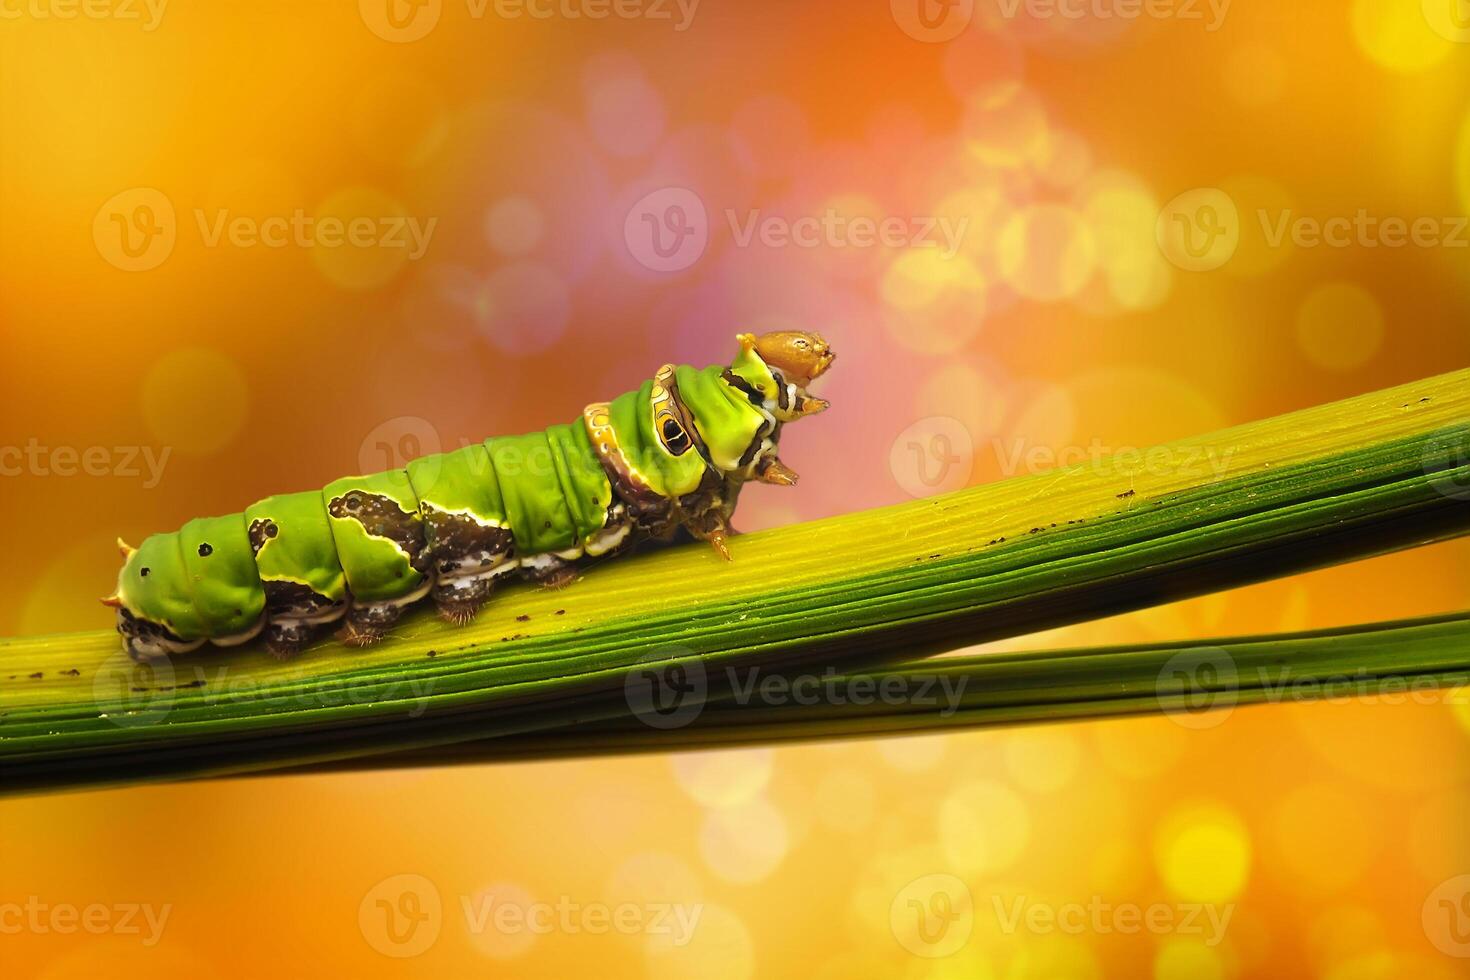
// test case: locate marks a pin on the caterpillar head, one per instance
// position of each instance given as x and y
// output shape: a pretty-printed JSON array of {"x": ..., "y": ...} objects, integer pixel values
[{"x": 799, "y": 356}]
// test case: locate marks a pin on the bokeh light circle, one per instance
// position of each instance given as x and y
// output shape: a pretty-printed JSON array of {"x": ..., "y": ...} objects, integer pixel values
[
  {"x": 195, "y": 400},
  {"x": 1339, "y": 326},
  {"x": 1203, "y": 853}
]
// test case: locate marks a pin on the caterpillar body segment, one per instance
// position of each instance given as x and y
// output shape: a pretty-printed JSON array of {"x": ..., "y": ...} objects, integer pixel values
[{"x": 672, "y": 454}]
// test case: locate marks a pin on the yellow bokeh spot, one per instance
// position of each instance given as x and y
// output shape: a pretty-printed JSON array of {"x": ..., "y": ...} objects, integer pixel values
[
  {"x": 913, "y": 754},
  {"x": 195, "y": 400},
  {"x": 1324, "y": 838},
  {"x": 1050, "y": 955},
  {"x": 971, "y": 213},
  {"x": 717, "y": 947},
  {"x": 937, "y": 300},
  {"x": 1342, "y": 933},
  {"x": 984, "y": 827},
  {"x": 360, "y": 238},
  {"x": 1047, "y": 252},
  {"x": 1068, "y": 159},
  {"x": 1339, "y": 326},
  {"x": 1007, "y": 128},
  {"x": 723, "y": 778},
  {"x": 744, "y": 843},
  {"x": 1203, "y": 853},
  {"x": 1182, "y": 959},
  {"x": 919, "y": 276},
  {"x": 1398, "y": 35},
  {"x": 1042, "y": 760},
  {"x": 1122, "y": 214},
  {"x": 959, "y": 391}
]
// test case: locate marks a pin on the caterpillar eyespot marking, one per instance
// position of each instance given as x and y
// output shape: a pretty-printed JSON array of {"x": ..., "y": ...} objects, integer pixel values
[{"x": 671, "y": 454}]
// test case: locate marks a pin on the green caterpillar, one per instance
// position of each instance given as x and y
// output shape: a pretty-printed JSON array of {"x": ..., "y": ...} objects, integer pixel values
[{"x": 672, "y": 454}]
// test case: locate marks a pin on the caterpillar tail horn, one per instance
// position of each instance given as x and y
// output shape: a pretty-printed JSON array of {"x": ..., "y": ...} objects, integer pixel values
[{"x": 125, "y": 549}]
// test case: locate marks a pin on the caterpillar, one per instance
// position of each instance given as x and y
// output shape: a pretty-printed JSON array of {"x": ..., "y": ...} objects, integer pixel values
[{"x": 672, "y": 454}]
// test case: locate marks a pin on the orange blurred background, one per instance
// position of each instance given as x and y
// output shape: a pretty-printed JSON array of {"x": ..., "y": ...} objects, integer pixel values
[{"x": 1098, "y": 234}]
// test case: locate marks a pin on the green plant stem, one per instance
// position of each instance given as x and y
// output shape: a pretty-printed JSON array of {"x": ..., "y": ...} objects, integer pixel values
[
  {"x": 1359, "y": 477},
  {"x": 1198, "y": 683}
]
